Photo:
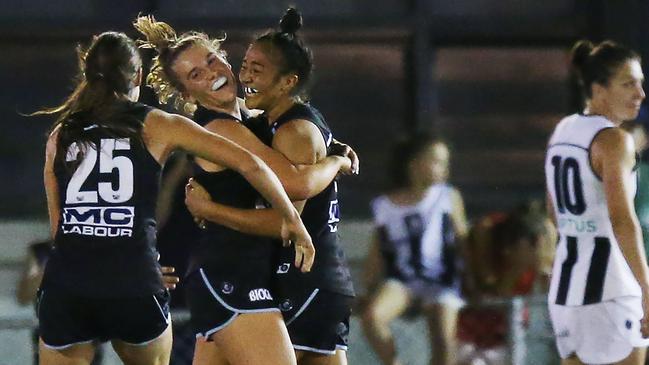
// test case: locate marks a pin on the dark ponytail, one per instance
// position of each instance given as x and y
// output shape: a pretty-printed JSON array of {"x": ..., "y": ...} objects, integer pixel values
[
  {"x": 291, "y": 22},
  {"x": 598, "y": 63},
  {"x": 108, "y": 70},
  {"x": 296, "y": 58},
  {"x": 580, "y": 52}
]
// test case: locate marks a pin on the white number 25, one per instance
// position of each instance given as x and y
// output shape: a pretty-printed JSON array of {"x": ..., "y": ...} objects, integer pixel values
[{"x": 107, "y": 163}]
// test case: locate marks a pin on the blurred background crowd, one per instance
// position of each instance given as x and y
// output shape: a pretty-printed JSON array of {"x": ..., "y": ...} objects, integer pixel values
[{"x": 488, "y": 79}]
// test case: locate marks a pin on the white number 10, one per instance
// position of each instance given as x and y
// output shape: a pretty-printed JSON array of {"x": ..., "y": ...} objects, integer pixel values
[{"x": 107, "y": 163}]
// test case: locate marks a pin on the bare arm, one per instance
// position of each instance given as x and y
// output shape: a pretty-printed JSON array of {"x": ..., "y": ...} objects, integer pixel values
[
  {"x": 346, "y": 150},
  {"x": 300, "y": 181},
  {"x": 301, "y": 144},
  {"x": 51, "y": 185},
  {"x": 461, "y": 228},
  {"x": 174, "y": 131},
  {"x": 262, "y": 222},
  {"x": 613, "y": 156}
]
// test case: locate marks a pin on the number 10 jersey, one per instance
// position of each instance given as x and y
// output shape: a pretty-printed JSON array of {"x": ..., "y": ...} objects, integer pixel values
[{"x": 589, "y": 266}]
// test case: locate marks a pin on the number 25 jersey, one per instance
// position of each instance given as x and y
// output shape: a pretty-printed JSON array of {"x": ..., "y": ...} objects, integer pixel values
[
  {"x": 589, "y": 266},
  {"x": 105, "y": 244}
]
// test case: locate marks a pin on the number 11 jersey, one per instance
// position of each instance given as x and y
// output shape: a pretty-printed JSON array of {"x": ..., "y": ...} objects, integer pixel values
[{"x": 589, "y": 266}]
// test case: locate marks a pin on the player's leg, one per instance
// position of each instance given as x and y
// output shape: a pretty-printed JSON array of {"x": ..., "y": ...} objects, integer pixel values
[
  {"x": 256, "y": 338},
  {"x": 312, "y": 358},
  {"x": 65, "y": 338},
  {"x": 637, "y": 357},
  {"x": 208, "y": 353},
  {"x": 140, "y": 328},
  {"x": 390, "y": 301},
  {"x": 79, "y": 354},
  {"x": 156, "y": 352},
  {"x": 573, "y": 360},
  {"x": 442, "y": 327}
]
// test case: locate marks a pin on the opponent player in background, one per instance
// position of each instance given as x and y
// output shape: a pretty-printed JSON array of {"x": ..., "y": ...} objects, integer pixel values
[{"x": 599, "y": 291}]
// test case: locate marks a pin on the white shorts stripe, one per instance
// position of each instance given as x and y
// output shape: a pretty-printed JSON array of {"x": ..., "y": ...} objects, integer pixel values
[
  {"x": 312, "y": 349},
  {"x": 216, "y": 329},
  {"x": 304, "y": 306},
  {"x": 63, "y": 347}
]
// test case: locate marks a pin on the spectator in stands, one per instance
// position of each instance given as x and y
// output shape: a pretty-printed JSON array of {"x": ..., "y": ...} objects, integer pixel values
[
  {"x": 417, "y": 251},
  {"x": 510, "y": 253}
]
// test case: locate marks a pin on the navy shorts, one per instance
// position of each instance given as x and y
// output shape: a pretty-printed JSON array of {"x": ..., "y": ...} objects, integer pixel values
[
  {"x": 317, "y": 320},
  {"x": 67, "y": 319},
  {"x": 216, "y": 299}
]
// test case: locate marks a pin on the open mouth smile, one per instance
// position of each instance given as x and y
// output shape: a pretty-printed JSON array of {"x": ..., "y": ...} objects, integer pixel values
[
  {"x": 219, "y": 83},
  {"x": 250, "y": 91}
]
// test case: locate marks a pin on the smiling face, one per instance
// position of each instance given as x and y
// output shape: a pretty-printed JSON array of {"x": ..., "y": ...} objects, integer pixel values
[
  {"x": 206, "y": 77},
  {"x": 263, "y": 85},
  {"x": 622, "y": 97}
]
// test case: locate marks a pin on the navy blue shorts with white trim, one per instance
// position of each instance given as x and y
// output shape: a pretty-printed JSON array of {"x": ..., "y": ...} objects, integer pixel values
[
  {"x": 66, "y": 319},
  {"x": 215, "y": 300},
  {"x": 318, "y": 320}
]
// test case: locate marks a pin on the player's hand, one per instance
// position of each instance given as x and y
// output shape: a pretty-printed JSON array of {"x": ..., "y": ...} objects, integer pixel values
[
  {"x": 644, "y": 322},
  {"x": 341, "y": 149},
  {"x": 293, "y": 231},
  {"x": 169, "y": 280},
  {"x": 195, "y": 198},
  {"x": 345, "y": 165}
]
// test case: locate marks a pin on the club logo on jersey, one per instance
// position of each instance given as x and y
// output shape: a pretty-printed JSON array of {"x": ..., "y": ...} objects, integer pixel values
[
  {"x": 227, "y": 288},
  {"x": 286, "y": 305},
  {"x": 99, "y": 221},
  {"x": 283, "y": 268},
  {"x": 259, "y": 294}
]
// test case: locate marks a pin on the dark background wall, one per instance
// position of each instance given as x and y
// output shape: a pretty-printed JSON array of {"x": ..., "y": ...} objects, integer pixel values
[{"x": 491, "y": 75}]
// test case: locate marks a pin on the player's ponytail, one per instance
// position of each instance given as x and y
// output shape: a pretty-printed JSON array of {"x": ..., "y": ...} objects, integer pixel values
[
  {"x": 161, "y": 37},
  {"x": 580, "y": 53},
  {"x": 291, "y": 22},
  {"x": 598, "y": 63},
  {"x": 108, "y": 71},
  {"x": 296, "y": 58}
]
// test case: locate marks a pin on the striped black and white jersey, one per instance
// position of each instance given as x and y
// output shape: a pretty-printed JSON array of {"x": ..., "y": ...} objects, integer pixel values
[
  {"x": 418, "y": 241},
  {"x": 589, "y": 266}
]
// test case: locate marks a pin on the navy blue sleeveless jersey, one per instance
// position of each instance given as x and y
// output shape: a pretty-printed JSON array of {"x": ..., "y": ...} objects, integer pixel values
[
  {"x": 220, "y": 247},
  {"x": 105, "y": 244},
  {"x": 321, "y": 215}
]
